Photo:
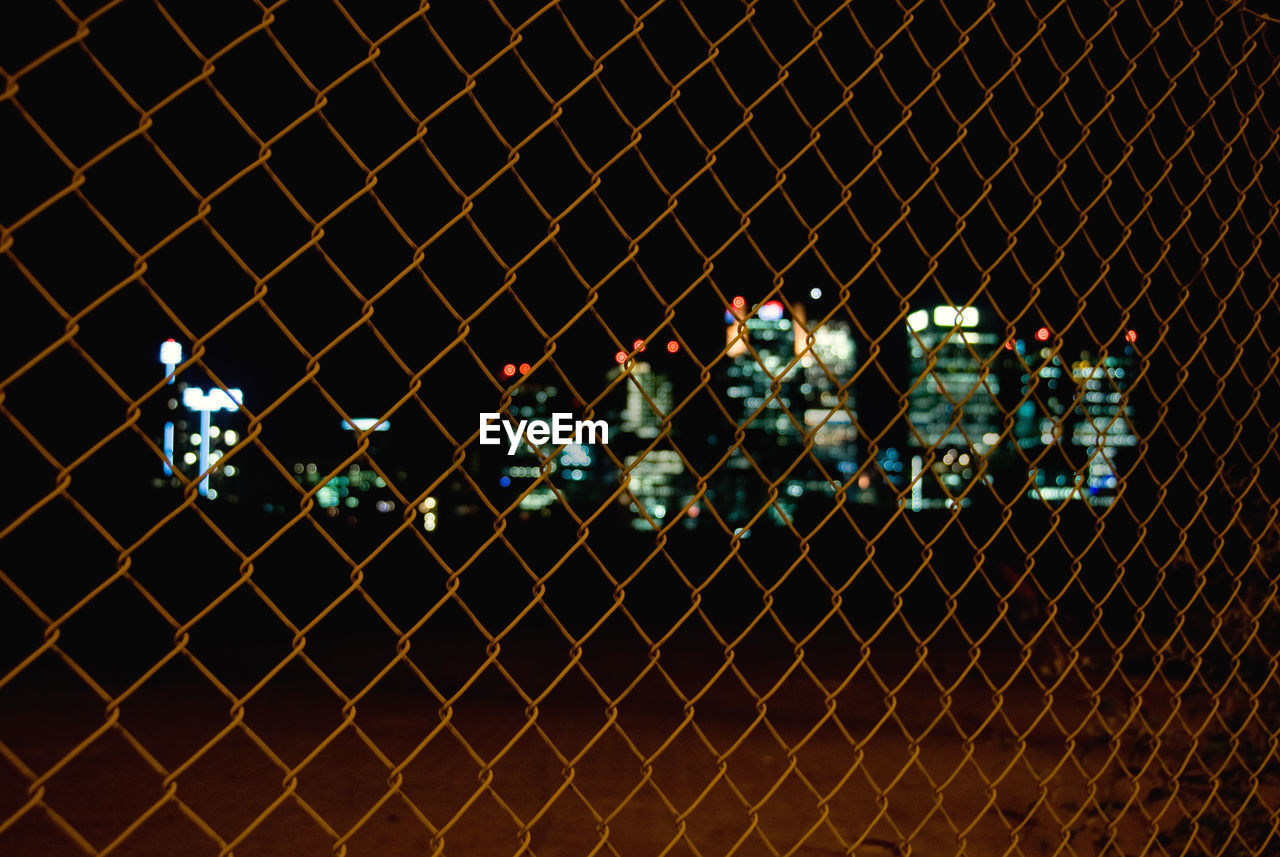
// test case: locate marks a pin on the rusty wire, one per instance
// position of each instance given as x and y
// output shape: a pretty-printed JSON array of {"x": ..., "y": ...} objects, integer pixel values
[{"x": 1117, "y": 180}]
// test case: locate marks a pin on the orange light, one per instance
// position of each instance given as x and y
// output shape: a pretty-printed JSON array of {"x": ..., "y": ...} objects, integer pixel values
[
  {"x": 739, "y": 302},
  {"x": 673, "y": 347},
  {"x": 524, "y": 368},
  {"x": 638, "y": 345},
  {"x": 621, "y": 357},
  {"x": 1131, "y": 335},
  {"x": 509, "y": 370},
  {"x": 1042, "y": 334}
]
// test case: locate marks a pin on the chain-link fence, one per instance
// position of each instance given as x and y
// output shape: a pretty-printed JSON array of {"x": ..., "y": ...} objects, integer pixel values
[{"x": 585, "y": 427}]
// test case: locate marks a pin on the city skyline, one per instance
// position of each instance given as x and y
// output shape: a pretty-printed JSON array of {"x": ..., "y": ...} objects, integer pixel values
[{"x": 980, "y": 407}]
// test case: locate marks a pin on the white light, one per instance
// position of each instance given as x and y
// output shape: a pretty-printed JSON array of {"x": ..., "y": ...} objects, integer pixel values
[
  {"x": 917, "y": 488},
  {"x": 429, "y": 522},
  {"x": 815, "y": 293},
  {"x": 229, "y": 437},
  {"x": 991, "y": 438},
  {"x": 918, "y": 320},
  {"x": 366, "y": 423},
  {"x": 951, "y": 316},
  {"x": 771, "y": 311},
  {"x": 659, "y": 511},
  {"x": 214, "y": 431},
  {"x": 216, "y": 400},
  {"x": 230, "y": 470},
  {"x": 964, "y": 459},
  {"x": 212, "y": 494},
  {"x": 188, "y": 458},
  {"x": 195, "y": 440},
  {"x": 170, "y": 352}
]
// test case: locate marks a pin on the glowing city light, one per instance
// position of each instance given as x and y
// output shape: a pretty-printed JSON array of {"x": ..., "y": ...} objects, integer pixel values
[
  {"x": 168, "y": 449},
  {"x": 771, "y": 311},
  {"x": 170, "y": 356},
  {"x": 524, "y": 368},
  {"x": 918, "y": 320},
  {"x": 366, "y": 424},
  {"x": 952, "y": 316},
  {"x": 216, "y": 399},
  {"x": 1042, "y": 334},
  {"x": 638, "y": 345},
  {"x": 1008, "y": 345},
  {"x": 509, "y": 370},
  {"x": 621, "y": 357},
  {"x": 815, "y": 293},
  {"x": 1131, "y": 335},
  {"x": 673, "y": 347},
  {"x": 739, "y": 302}
]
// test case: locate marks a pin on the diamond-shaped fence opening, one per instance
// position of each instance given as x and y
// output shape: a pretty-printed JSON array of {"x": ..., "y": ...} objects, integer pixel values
[{"x": 763, "y": 428}]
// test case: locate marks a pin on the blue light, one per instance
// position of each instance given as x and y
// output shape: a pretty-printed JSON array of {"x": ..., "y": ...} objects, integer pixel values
[
  {"x": 168, "y": 449},
  {"x": 504, "y": 481}
]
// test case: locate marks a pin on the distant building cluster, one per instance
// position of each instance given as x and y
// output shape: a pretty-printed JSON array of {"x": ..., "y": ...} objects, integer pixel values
[
  {"x": 982, "y": 410},
  {"x": 199, "y": 427}
]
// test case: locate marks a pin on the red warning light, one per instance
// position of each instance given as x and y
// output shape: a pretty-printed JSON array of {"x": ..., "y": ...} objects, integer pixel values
[
  {"x": 621, "y": 357},
  {"x": 1131, "y": 335},
  {"x": 1008, "y": 345},
  {"x": 509, "y": 370},
  {"x": 638, "y": 345},
  {"x": 673, "y": 347},
  {"x": 1042, "y": 334},
  {"x": 739, "y": 302},
  {"x": 524, "y": 368}
]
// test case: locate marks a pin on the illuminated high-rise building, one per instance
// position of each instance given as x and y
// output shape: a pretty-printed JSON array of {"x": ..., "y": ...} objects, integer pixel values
[
  {"x": 954, "y": 413},
  {"x": 1042, "y": 419},
  {"x": 1104, "y": 424},
  {"x": 1073, "y": 420},
  {"x": 192, "y": 441},
  {"x": 542, "y": 475},
  {"x": 761, "y": 381},
  {"x": 657, "y": 486},
  {"x": 829, "y": 413}
]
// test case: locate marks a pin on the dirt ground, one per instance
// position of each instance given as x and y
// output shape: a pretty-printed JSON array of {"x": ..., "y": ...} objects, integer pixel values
[{"x": 761, "y": 754}]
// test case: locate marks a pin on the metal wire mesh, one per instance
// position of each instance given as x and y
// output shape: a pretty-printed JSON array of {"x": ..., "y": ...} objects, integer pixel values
[{"x": 934, "y": 340}]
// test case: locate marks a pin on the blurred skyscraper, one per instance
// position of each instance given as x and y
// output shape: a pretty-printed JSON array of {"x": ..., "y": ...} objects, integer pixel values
[
  {"x": 541, "y": 473},
  {"x": 192, "y": 439},
  {"x": 954, "y": 418},
  {"x": 658, "y": 486},
  {"x": 787, "y": 386},
  {"x": 1073, "y": 420},
  {"x": 828, "y": 358}
]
